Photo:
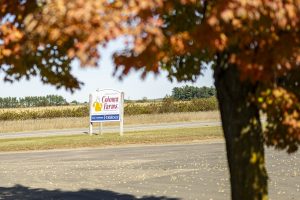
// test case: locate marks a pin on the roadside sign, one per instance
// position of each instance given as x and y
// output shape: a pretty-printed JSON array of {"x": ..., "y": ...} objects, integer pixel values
[{"x": 106, "y": 105}]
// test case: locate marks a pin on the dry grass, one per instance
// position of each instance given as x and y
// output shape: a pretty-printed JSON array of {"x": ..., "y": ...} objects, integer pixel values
[
  {"x": 82, "y": 122},
  {"x": 173, "y": 117},
  {"x": 40, "y": 108},
  {"x": 141, "y": 137}
]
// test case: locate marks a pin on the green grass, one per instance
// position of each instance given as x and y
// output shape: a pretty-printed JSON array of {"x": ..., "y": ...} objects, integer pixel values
[{"x": 111, "y": 139}]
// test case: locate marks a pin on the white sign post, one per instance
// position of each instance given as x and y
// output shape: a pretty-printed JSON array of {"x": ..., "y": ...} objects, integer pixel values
[{"x": 106, "y": 105}]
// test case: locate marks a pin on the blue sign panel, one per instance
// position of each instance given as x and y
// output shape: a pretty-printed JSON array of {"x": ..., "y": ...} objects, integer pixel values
[{"x": 115, "y": 117}]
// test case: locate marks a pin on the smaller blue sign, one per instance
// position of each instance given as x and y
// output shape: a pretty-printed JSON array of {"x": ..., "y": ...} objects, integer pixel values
[{"x": 115, "y": 117}]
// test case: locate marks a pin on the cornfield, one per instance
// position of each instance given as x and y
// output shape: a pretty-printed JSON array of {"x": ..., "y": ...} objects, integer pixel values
[{"x": 166, "y": 106}]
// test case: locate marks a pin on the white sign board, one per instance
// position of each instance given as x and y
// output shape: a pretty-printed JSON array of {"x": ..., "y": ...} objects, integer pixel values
[{"x": 106, "y": 105}]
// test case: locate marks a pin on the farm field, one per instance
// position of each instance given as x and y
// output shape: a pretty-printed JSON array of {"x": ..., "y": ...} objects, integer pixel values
[
  {"x": 82, "y": 122},
  {"x": 165, "y": 106}
]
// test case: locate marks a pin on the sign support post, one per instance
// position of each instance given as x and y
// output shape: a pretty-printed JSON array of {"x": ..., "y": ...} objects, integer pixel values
[
  {"x": 101, "y": 128},
  {"x": 91, "y": 128},
  {"x": 91, "y": 123}
]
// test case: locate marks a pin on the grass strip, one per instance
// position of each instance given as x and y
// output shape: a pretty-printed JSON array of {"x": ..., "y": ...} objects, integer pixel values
[{"x": 111, "y": 139}]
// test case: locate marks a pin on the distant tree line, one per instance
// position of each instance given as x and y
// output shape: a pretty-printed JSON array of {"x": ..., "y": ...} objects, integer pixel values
[
  {"x": 192, "y": 92},
  {"x": 32, "y": 101}
]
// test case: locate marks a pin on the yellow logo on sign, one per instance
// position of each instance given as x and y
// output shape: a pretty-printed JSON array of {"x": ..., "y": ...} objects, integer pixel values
[{"x": 97, "y": 106}]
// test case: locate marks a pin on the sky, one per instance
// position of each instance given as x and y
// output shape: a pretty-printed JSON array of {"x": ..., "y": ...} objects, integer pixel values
[{"x": 93, "y": 78}]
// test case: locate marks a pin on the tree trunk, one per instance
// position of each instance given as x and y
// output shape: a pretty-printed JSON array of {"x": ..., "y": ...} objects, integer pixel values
[{"x": 243, "y": 134}]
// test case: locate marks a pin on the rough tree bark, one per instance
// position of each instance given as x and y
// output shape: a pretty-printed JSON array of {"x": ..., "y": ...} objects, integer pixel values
[{"x": 243, "y": 134}]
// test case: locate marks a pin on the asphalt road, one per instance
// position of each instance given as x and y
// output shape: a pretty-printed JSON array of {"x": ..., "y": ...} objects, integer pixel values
[
  {"x": 109, "y": 129},
  {"x": 158, "y": 172}
]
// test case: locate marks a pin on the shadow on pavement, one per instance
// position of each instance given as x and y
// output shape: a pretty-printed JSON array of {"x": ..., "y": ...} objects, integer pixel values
[{"x": 19, "y": 192}]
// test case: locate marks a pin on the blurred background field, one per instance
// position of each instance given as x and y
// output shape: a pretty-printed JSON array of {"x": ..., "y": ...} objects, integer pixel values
[
  {"x": 31, "y": 113},
  {"x": 167, "y": 105}
]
